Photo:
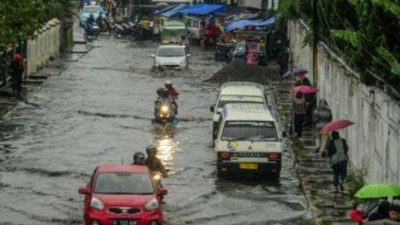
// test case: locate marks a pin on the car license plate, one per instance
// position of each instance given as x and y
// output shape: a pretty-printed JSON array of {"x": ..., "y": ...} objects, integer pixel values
[
  {"x": 248, "y": 166},
  {"x": 124, "y": 222}
]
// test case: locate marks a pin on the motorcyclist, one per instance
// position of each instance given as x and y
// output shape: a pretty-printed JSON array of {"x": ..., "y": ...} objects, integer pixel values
[
  {"x": 89, "y": 22},
  {"x": 154, "y": 164},
  {"x": 173, "y": 94},
  {"x": 139, "y": 158}
]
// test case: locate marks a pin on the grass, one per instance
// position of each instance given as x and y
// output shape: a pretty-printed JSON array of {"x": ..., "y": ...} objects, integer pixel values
[{"x": 355, "y": 180}]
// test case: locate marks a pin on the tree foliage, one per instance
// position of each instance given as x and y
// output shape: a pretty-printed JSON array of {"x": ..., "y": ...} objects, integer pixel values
[
  {"x": 20, "y": 19},
  {"x": 365, "y": 32}
]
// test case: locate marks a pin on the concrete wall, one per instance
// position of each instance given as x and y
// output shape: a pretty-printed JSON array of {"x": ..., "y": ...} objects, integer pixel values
[
  {"x": 45, "y": 45},
  {"x": 374, "y": 140}
]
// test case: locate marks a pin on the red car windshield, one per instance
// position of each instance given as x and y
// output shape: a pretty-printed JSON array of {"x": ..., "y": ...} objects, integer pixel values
[{"x": 123, "y": 183}]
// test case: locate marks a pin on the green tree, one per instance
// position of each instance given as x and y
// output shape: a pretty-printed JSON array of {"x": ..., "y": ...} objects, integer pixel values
[{"x": 19, "y": 19}]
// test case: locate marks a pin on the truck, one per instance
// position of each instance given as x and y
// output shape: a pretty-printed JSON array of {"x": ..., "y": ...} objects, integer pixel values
[{"x": 172, "y": 30}]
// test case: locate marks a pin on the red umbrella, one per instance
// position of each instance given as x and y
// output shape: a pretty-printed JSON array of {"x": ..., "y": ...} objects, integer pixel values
[
  {"x": 335, "y": 125},
  {"x": 306, "y": 89}
]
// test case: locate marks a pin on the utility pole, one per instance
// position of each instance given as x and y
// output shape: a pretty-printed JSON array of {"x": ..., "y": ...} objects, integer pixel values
[{"x": 315, "y": 41}]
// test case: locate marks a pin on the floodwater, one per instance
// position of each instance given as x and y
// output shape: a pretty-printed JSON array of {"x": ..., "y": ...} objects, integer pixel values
[{"x": 99, "y": 110}]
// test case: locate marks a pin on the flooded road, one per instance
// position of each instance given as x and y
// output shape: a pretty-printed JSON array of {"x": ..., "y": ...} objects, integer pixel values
[{"x": 99, "y": 110}]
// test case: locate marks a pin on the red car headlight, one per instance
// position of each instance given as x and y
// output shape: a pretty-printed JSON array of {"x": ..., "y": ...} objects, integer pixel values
[
  {"x": 152, "y": 204},
  {"x": 96, "y": 203}
]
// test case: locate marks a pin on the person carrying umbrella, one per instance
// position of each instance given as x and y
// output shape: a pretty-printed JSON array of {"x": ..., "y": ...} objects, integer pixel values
[
  {"x": 309, "y": 98},
  {"x": 338, "y": 159},
  {"x": 299, "y": 113}
]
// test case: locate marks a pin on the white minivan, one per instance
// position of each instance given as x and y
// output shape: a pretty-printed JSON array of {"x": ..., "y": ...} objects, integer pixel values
[
  {"x": 248, "y": 141},
  {"x": 237, "y": 92}
]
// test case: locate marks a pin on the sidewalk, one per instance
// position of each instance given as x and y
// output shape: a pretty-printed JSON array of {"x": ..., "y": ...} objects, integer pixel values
[
  {"x": 314, "y": 171},
  {"x": 53, "y": 68}
]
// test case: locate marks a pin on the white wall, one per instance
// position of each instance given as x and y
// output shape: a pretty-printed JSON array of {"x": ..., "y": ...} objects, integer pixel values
[
  {"x": 374, "y": 140},
  {"x": 44, "y": 46}
]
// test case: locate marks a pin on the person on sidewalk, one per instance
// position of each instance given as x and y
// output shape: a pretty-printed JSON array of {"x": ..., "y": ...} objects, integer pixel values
[
  {"x": 309, "y": 98},
  {"x": 381, "y": 213},
  {"x": 357, "y": 215},
  {"x": 299, "y": 113},
  {"x": 321, "y": 116},
  {"x": 338, "y": 158},
  {"x": 17, "y": 74}
]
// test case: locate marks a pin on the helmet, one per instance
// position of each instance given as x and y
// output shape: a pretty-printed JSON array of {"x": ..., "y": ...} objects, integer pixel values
[
  {"x": 160, "y": 91},
  {"x": 91, "y": 15},
  {"x": 168, "y": 83},
  {"x": 138, "y": 158},
  {"x": 151, "y": 148}
]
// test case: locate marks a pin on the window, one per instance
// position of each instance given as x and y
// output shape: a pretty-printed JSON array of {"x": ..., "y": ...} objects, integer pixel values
[
  {"x": 123, "y": 183},
  {"x": 249, "y": 131}
]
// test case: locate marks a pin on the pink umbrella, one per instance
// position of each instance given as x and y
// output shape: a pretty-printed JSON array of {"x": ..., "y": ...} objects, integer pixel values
[
  {"x": 335, "y": 125},
  {"x": 305, "y": 89}
]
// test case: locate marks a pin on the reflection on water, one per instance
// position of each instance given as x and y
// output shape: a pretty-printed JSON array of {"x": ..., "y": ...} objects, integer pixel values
[{"x": 167, "y": 146}]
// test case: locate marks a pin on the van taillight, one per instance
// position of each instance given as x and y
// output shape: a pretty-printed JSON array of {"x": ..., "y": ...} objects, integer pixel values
[
  {"x": 224, "y": 155},
  {"x": 274, "y": 156}
]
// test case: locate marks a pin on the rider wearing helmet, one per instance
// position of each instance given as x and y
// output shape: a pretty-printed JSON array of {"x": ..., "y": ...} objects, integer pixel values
[
  {"x": 171, "y": 90},
  {"x": 139, "y": 158},
  {"x": 89, "y": 22},
  {"x": 154, "y": 164}
]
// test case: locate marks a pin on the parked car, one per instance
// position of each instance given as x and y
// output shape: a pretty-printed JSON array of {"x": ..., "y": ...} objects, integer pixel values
[
  {"x": 171, "y": 56},
  {"x": 90, "y": 9},
  {"x": 124, "y": 195}
]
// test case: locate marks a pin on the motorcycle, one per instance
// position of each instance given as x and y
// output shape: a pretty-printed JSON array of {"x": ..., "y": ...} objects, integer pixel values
[
  {"x": 165, "y": 112},
  {"x": 121, "y": 29},
  {"x": 92, "y": 30}
]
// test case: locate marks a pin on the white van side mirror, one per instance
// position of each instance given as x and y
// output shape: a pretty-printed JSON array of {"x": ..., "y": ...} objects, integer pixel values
[{"x": 212, "y": 108}]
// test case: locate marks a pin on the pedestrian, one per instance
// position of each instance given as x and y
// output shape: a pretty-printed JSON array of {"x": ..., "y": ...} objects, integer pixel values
[
  {"x": 309, "y": 98},
  {"x": 17, "y": 67},
  {"x": 381, "y": 213},
  {"x": 299, "y": 113},
  {"x": 338, "y": 158},
  {"x": 394, "y": 211},
  {"x": 321, "y": 116},
  {"x": 357, "y": 215}
]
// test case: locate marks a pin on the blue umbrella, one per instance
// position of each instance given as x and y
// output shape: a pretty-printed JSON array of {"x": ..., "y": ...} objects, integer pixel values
[{"x": 295, "y": 72}]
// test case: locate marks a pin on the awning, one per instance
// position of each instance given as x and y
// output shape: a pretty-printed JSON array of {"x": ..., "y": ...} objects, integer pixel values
[
  {"x": 165, "y": 9},
  {"x": 174, "y": 11},
  {"x": 204, "y": 9},
  {"x": 244, "y": 23}
]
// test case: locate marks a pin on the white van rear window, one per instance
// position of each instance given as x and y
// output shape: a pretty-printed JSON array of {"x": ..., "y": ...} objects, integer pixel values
[{"x": 249, "y": 131}]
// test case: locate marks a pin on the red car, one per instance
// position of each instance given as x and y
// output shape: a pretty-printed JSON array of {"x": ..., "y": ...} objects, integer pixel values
[{"x": 122, "y": 195}]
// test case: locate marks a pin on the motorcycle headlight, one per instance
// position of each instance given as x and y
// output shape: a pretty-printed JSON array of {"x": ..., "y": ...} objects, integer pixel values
[
  {"x": 96, "y": 203},
  {"x": 164, "y": 109},
  {"x": 157, "y": 177},
  {"x": 152, "y": 205}
]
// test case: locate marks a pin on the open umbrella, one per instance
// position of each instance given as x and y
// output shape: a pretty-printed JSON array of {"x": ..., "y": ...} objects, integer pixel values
[
  {"x": 305, "y": 89},
  {"x": 295, "y": 72},
  {"x": 378, "y": 191},
  {"x": 335, "y": 125}
]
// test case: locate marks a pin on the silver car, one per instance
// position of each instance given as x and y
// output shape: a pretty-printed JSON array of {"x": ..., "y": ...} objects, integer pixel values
[{"x": 171, "y": 56}]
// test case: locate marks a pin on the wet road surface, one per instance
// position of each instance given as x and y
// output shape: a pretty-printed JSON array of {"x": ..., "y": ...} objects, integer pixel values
[{"x": 99, "y": 111}]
